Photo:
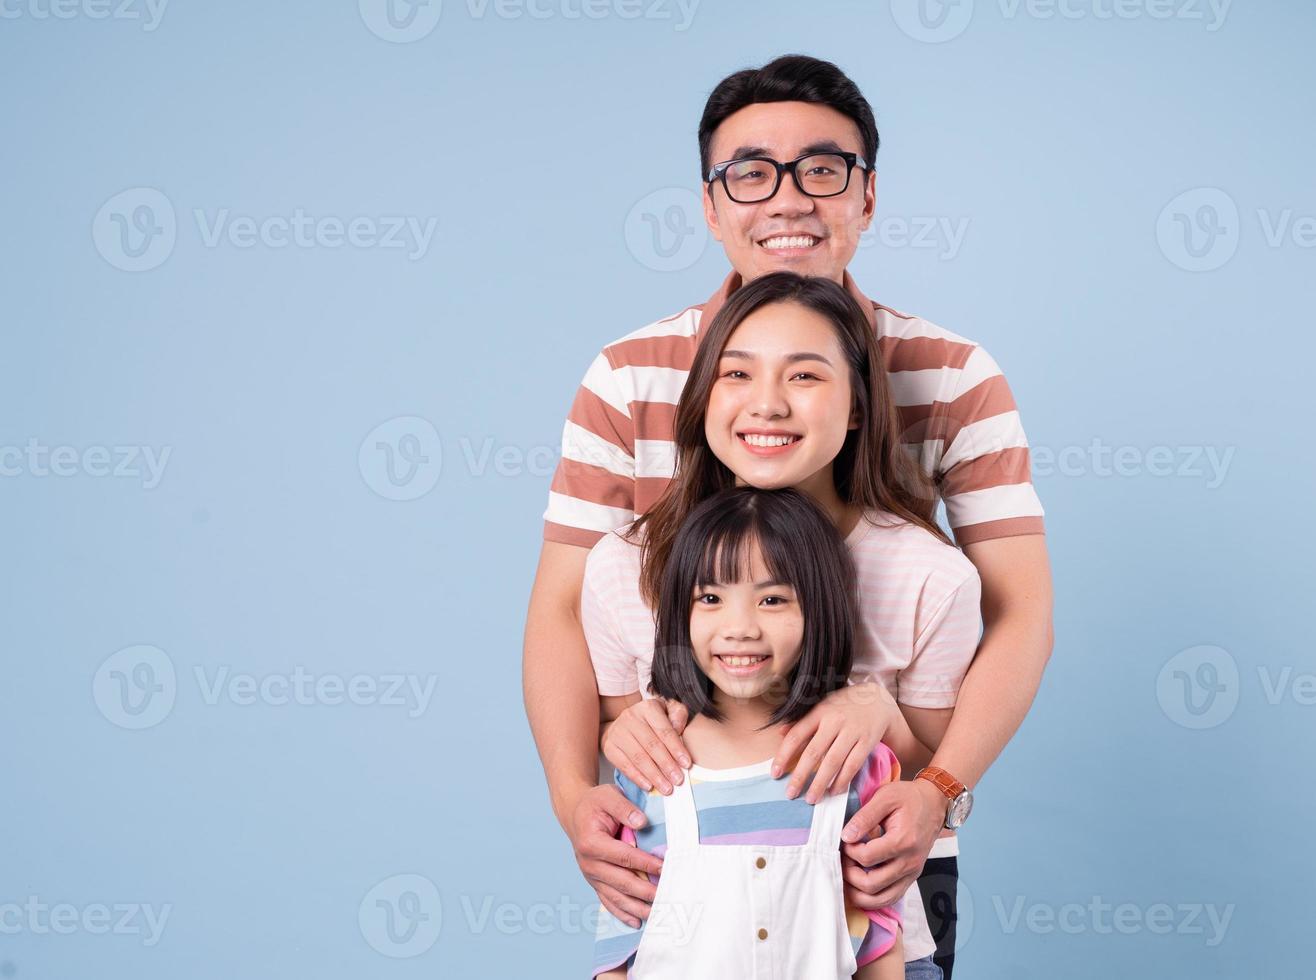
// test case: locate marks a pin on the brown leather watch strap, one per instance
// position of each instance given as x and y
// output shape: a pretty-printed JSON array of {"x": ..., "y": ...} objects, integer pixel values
[{"x": 944, "y": 781}]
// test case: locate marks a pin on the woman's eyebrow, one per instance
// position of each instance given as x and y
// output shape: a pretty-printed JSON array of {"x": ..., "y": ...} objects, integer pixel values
[{"x": 804, "y": 355}]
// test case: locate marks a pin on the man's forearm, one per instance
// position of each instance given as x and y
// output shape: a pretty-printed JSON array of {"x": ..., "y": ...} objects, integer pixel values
[
  {"x": 562, "y": 704},
  {"x": 997, "y": 691}
]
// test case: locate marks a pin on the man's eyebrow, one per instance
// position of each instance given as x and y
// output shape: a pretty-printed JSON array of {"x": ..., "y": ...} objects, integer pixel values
[
  {"x": 803, "y": 355},
  {"x": 818, "y": 146}
]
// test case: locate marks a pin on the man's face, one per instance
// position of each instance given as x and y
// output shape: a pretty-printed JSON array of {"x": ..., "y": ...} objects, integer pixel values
[{"x": 751, "y": 233}]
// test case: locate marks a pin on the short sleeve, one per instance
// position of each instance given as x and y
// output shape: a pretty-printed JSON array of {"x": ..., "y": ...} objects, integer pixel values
[
  {"x": 985, "y": 473},
  {"x": 947, "y": 636},
  {"x": 615, "y": 668},
  {"x": 872, "y": 931},
  {"x": 593, "y": 488}
]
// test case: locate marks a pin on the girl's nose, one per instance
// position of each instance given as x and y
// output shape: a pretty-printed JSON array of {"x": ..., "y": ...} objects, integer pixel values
[{"x": 741, "y": 624}]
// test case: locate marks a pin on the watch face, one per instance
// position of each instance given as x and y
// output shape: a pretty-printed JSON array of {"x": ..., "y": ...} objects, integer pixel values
[{"x": 959, "y": 810}]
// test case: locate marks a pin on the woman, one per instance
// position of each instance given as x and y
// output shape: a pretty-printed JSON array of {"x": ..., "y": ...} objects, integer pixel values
[{"x": 787, "y": 390}]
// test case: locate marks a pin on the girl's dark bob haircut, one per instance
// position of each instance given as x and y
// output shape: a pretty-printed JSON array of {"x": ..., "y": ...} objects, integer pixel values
[{"x": 802, "y": 548}]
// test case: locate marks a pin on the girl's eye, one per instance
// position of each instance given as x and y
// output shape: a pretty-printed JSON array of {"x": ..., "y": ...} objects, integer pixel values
[
  {"x": 707, "y": 599},
  {"x": 775, "y": 600}
]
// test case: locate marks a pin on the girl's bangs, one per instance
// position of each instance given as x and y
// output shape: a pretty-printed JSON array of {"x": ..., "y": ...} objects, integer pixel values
[{"x": 727, "y": 550}]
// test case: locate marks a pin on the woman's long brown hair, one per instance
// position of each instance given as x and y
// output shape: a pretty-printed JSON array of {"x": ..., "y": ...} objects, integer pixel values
[{"x": 871, "y": 470}]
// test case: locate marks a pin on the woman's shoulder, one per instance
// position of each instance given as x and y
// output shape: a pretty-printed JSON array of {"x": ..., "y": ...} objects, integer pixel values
[
  {"x": 619, "y": 547},
  {"x": 884, "y": 539}
]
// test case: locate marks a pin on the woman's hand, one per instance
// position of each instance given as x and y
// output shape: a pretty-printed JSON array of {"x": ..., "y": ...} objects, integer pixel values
[
  {"x": 644, "y": 742},
  {"x": 836, "y": 737}
]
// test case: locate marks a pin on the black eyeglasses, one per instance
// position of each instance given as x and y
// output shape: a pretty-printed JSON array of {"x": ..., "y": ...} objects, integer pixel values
[{"x": 754, "y": 179}]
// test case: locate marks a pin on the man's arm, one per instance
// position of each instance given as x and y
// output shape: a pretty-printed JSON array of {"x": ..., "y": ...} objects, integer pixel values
[
  {"x": 561, "y": 699},
  {"x": 993, "y": 700},
  {"x": 562, "y": 703},
  {"x": 1007, "y": 670}
]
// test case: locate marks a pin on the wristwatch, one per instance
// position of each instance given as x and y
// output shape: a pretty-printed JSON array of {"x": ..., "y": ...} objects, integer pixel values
[{"x": 960, "y": 800}]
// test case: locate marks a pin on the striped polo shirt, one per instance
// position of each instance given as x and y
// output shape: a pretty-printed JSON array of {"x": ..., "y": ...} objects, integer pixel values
[
  {"x": 747, "y": 806},
  {"x": 957, "y": 415}
]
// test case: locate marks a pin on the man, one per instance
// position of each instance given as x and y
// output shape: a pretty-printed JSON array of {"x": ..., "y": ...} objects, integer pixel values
[{"x": 764, "y": 137}]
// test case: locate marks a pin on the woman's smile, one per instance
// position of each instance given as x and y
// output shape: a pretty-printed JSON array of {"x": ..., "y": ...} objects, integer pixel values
[{"x": 762, "y": 442}]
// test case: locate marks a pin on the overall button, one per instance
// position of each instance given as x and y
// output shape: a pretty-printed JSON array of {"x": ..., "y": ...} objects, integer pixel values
[
  {"x": 763, "y": 934},
  {"x": 761, "y": 863}
]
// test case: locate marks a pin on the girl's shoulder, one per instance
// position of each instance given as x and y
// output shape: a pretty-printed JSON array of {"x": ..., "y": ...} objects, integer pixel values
[{"x": 887, "y": 544}]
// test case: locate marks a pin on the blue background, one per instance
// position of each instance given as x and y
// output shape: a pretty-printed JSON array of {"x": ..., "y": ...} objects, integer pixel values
[{"x": 271, "y": 542}]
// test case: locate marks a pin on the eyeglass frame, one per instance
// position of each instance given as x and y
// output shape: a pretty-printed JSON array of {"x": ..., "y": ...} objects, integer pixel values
[{"x": 852, "y": 160}]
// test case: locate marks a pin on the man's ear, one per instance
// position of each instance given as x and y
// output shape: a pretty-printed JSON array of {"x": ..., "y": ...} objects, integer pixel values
[
  {"x": 710, "y": 213},
  {"x": 870, "y": 199}
]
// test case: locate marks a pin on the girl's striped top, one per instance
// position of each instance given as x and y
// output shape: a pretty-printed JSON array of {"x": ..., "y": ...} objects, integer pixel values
[{"x": 750, "y": 809}]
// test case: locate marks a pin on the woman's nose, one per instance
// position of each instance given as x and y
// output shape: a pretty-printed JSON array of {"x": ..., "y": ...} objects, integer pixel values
[{"x": 768, "y": 401}]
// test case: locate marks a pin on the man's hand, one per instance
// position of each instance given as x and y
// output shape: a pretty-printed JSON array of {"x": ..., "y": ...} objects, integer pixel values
[
  {"x": 836, "y": 737},
  {"x": 911, "y": 814},
  {"x": 616, "y": 871},
  {"x": 645, "y": 743}
]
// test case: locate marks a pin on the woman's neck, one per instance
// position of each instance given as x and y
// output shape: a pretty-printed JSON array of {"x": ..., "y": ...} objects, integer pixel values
[{"x": 822, "y": 488}]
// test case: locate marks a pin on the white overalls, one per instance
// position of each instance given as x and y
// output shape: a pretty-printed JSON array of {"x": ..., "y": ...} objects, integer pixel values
[{"x": 751, "y": 911}]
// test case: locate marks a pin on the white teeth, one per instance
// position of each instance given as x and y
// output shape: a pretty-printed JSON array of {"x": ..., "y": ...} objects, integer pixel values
[
  {"x": 768, "y": 441},
  {"x": 790, "y": 241},
  {"x": 742, "y": 661}
]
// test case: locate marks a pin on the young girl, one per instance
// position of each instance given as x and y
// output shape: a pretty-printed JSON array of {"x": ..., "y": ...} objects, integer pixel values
[
  {"x": 755, "y": 623},
  {"x": 787, "y": 389}
]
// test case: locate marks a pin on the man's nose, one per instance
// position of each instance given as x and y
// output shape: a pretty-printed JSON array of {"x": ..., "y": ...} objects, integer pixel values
[{"x": 789, "y": 201}]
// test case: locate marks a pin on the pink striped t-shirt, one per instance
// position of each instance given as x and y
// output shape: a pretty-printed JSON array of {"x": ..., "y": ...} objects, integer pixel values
[{"x": 918, "y": 603}]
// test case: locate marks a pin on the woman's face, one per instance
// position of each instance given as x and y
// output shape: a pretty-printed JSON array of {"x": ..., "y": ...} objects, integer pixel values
[
  {"x": 747, "y": 634},
  {"x": 780, "y": 406}
]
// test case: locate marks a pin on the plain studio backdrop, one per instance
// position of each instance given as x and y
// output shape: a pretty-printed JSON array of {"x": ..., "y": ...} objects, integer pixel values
[{"x": 295, "y": 297}]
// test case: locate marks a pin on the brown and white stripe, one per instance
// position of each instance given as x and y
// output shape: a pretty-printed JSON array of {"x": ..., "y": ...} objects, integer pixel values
[{"x": 956, "y": 410}]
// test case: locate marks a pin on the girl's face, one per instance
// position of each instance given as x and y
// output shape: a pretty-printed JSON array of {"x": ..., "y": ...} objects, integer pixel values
[
  {"x": 747, "y": 634},
  {"x": 780, "y": 408}
]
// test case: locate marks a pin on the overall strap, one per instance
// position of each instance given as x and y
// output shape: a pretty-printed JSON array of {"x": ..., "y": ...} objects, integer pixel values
[
  {"x": 680, "y": 816},
  {"x": 828, "y": 821}
]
